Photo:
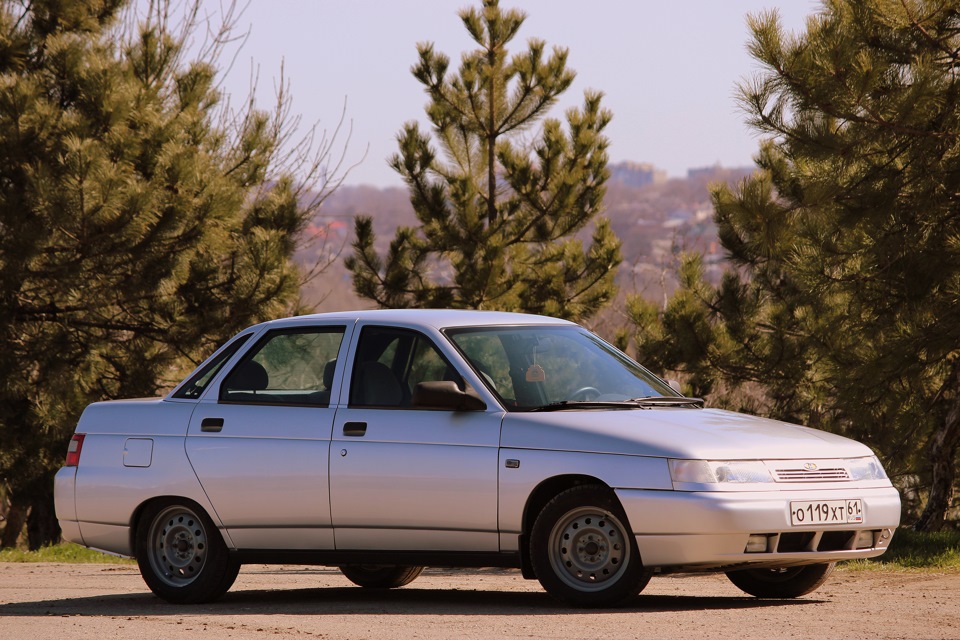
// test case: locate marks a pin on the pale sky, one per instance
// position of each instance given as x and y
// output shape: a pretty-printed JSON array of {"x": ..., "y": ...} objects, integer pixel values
[{"x": 668, "y": 69}]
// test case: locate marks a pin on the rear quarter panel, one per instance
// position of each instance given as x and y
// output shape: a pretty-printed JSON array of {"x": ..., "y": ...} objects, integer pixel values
[{"x": 107, "y": 491}]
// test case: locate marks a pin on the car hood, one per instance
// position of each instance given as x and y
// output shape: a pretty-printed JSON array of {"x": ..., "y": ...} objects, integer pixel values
[{"x": 711, "y": 434}]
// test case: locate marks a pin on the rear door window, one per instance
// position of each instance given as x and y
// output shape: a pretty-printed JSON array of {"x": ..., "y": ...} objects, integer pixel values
[{"x": 286, "y": 367}]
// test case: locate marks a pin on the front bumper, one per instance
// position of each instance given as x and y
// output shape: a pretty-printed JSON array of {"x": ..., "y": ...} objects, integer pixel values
[{"x": 709, "y": 530}]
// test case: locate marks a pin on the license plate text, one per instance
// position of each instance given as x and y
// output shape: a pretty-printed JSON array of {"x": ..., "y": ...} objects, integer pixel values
[{"x": 826, "y": 512}]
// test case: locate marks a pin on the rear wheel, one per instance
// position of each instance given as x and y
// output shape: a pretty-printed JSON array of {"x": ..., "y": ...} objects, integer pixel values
[
  {"x": 583, "y": 551},
  {"x": 181, "y": 555},
  {"x": 377, "y": 576},
  {"x": 786, "y": 582}
]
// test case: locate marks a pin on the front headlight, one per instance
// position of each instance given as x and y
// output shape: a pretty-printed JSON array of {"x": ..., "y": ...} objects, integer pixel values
[
  {"x": 719, "y": 471},
  {"x": 865, "y": 468}
]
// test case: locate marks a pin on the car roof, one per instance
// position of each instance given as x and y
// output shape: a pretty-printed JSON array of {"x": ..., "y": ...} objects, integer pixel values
[{"x": 436, "y": 318}]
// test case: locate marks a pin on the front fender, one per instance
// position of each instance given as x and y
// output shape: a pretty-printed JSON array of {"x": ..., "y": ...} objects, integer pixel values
[{"x": 529, "y": 468}]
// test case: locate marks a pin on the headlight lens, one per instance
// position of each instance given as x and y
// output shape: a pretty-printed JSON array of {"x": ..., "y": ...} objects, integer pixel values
[
  {"x": 719, "y": 471},
  {"x": 865, "y": 468}
]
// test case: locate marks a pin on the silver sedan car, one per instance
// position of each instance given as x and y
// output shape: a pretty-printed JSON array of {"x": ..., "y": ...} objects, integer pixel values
[{"x": 384, "y": 441}]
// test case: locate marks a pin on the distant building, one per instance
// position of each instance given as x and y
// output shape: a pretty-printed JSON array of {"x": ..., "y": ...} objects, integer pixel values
[
  {"x": 636, "y": 174},
  {"x": 704, "y": 172},
  {"x": 719, "y": 172}
]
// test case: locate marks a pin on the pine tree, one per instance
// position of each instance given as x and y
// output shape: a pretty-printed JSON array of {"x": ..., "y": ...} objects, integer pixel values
[
  {"x": 737, "y": 343},
  {"x": 847, "y": 240},
  {"x": 141, "y": 223},
  {"x": 500, "y": 205}
]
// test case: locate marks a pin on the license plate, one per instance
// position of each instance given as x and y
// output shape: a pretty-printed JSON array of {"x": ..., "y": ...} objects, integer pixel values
[{"x": 826, "y": 512}]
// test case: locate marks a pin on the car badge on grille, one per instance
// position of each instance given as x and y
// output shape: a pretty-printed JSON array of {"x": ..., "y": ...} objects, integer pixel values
[{"x": 809, "y": 466}]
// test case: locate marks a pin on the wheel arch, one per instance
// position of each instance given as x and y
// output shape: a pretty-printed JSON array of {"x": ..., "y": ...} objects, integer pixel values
[
  {"x": 138, "y": 513},
  {"x": 538, "y": 498}
]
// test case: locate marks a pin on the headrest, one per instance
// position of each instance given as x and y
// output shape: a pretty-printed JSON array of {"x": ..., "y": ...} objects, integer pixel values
[
  {"x": 328, "y": 373},
  {"x": 251, "y": 376},
  {"x": 379, "y": 387}
]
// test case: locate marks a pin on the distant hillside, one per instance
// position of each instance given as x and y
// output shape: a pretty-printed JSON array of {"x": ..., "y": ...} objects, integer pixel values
[{"x": 657, "y": 218}]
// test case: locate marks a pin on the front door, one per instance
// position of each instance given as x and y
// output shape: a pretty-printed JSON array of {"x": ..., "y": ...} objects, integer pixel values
[{"x": 410, "y": 479}]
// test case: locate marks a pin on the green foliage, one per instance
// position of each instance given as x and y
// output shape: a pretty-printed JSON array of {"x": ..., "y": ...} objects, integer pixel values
[
  {"x": 841, "y": 309},
  {"x": 65, "y": 552},
  {"x": 913, "y": 550},
  {"x": 909, "y": 551},
  {"x": 141, "y": 222},
  {"x": 500, "y": 204}
]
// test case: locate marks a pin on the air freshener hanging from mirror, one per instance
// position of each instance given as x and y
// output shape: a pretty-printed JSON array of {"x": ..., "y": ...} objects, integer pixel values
[{"x": 535, "y": 372}]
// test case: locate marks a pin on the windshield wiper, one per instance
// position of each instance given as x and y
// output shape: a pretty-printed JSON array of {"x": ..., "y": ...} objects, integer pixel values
[
  {"x": 668, "y": 401},
  {"x": 587, "y": 404},
  {"x": 633, "y": 403}
]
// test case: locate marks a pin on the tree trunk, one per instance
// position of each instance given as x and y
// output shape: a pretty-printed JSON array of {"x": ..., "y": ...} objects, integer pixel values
[
  {"x": 43, "y": 529},
  {"x": 491, "y": 140},
  {"x": 15, "y": 519},
  {"x": 943, "y": 453}
]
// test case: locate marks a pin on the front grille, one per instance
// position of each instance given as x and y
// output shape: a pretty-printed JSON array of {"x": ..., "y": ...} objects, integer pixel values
[
  {"x": 818, "y": 541},
  {"x": 836, "y": 540},
  {"x": 794, "y": 542},
  {"x": 811, "y": 475}
]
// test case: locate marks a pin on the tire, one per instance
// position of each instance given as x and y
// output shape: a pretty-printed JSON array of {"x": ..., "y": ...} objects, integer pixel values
[
  {"x": 181, "y": 555},
  {"x": 788, "y": 582},
  {"x": 583, "y": 550},
  {"x": 378, "y": 576}
]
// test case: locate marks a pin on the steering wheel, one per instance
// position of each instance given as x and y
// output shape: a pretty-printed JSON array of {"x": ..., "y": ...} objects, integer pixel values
[{"x": 585, "y": 393}]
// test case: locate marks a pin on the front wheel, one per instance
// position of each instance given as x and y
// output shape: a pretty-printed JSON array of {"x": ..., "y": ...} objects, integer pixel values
[
  {"x": 583, "y": 551},
  {"x": 375, "y": 576},
  {"x": 181, "y": 555},
  {"x": 786, "y": 582}
]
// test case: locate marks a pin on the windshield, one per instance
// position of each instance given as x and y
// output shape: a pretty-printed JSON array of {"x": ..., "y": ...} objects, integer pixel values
[{"x": 530, "y": 367}]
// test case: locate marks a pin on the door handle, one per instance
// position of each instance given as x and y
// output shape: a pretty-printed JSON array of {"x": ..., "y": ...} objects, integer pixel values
[
  {"x": 211, "y": 424},
  {"x": 354, "y": 428}
]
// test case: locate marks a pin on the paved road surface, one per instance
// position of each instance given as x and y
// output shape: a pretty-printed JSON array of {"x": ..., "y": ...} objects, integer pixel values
[{"x": 106, "y": 602}]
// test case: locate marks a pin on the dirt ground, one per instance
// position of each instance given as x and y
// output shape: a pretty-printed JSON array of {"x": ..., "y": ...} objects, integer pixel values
[{"x": 75, "y": 602}]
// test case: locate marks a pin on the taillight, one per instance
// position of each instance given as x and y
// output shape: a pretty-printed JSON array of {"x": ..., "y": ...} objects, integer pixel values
[{"x": 73, "y": 451}]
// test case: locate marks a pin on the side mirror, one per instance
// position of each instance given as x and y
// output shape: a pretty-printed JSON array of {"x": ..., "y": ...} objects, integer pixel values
[
  {"x": 446, "y": 395},
  {"x": 675, "y": 386}
]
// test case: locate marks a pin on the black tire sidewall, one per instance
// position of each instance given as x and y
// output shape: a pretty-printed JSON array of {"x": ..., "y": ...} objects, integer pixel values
[
  {"x": 632, "y": 578},
  {"x": 219, "y": 570},
  {"x": 385, "y": 577},
  {"x": 763, "y": 584}
]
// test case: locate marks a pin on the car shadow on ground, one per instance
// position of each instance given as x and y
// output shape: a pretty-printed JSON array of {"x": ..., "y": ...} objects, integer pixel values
[{"x": 358, "y": 601}]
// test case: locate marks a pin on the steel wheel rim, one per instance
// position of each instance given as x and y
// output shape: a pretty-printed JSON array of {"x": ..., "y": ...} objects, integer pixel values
[
  {"x": 589, "y": 549},
  {"x": 178, "y": 546}
]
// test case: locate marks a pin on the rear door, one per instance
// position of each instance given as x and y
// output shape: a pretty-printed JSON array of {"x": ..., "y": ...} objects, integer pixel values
[{"x": 260, "y": 445}]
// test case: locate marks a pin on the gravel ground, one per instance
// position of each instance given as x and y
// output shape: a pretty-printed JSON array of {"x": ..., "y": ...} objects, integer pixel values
[{"x": 75, "y": 602}]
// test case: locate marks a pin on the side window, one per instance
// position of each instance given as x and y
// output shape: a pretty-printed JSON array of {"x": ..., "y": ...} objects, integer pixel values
[
  {"x": 428, "y": 365},
  {"x": 196, "y": 385},
  {"x": 287, "y": 366},
  {"x": 390, "y": 363},
  {"x": 485, "y": 351}
]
